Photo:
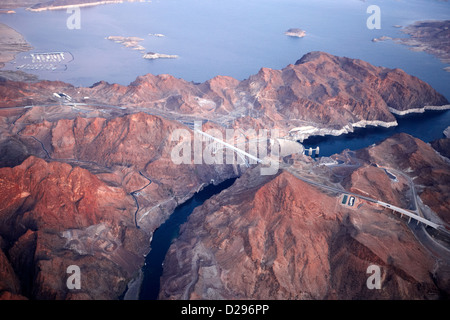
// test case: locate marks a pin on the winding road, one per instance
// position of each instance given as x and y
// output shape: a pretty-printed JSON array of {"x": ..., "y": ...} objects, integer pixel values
[
  {"x": 412, "y": 215},
  {"x": 133, "y": 194},
  {"x": 416, "y": 215}
]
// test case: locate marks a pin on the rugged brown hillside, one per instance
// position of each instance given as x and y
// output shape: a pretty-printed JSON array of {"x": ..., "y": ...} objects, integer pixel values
[
  {"x": 117, "y": 149},
  {"x": 281, "y": 238},
  {"x": 11, "y": 43},
  {"x": 429, "y": 171},
  {"x": 442, "y": 146},
  {"x": 430, "y": 36},
  {"x": 88, "y": 184},
  {"x": 80, "y": 205},
  {"x": 397, "y": 89},
  {"x": 55, "y": 215},
  {"x": 322, "y": 90}
]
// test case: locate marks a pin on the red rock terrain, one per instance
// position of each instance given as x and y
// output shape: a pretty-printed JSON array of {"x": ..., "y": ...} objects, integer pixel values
[
  {"x": 42, "y": 199},
  {"x": 116, "y": 149},
  {"x": 429, "y": 36},
  {"x": 442, "y": 146},
  {"x": 78, "y": 206},
  {"x": 282, "y": 238},
  {"x": 322, "y": 90},
  {"x": 88, "y": 185},
  {"x": 429, "y": 171}
]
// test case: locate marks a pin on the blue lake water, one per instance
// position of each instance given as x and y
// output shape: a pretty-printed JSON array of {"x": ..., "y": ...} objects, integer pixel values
[
  {"x": 166, "y": 233},
  {"x": 427, "y": 127},
  {"x": 234, "y": 38}
]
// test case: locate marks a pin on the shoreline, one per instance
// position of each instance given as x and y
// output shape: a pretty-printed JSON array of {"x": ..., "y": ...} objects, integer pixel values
[
  {"x": 12, "y": 43},
  {"x": 425, "y": 36},
  {"x": 80, "y": 5},
  {"x": 133, "y": 290},
  {"x": 419, "y": 110},
  {"x": 349, "y": 128}
]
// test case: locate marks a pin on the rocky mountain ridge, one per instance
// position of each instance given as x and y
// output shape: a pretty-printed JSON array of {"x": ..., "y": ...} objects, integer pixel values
[
  {"x": 86, "y": 176},
  {"x": 278, "y": 237},
  {"x": 92, "y": 201},
  {"x": 331, "y": 94}
]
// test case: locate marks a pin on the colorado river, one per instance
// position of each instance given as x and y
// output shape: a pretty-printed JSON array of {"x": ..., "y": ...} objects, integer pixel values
[
  {"x": 431, "y": 126},
  {"x": 166, "y": 233},
  {"x": 232, "y": 38},
  {"x": 426, "y": 126}
]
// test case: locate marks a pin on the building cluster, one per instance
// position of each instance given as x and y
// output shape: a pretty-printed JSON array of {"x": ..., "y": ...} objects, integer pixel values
[{"x": 47, "y": 57}]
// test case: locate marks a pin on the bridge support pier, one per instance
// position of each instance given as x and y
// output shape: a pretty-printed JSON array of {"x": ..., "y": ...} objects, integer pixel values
[{"x": 310, "y": 151}]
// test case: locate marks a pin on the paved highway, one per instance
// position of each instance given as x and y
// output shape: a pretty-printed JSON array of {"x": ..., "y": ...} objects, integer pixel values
[
  {"x": 411, "y": 215},
  {"x": 381, "y": 203},
  {"x": 229, "y": 146},
  {"x": 136, "y": 192}
]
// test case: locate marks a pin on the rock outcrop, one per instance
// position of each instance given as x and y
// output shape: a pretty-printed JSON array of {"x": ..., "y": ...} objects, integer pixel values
[
  {"x": 88, "y": 184},
  {"x": 140, "y": 142},
  {"x": 442, "y": 146},
  {"x": 11, "y": 43},
  {"x": 320, "y": 90},
  {"x": 155, "y": 55},
  {"x": 43, "y": 201},
  {"x": 429, "y": 171},
  {"x": 278, "y": 237},
  {"x": 104, "y": 187},
  {"x": 429, "y": 36},
  {"x": 295, "y": 32}
]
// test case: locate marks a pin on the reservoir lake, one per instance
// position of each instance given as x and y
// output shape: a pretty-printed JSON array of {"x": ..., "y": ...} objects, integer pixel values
[{"x": 234, "y": 38}]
